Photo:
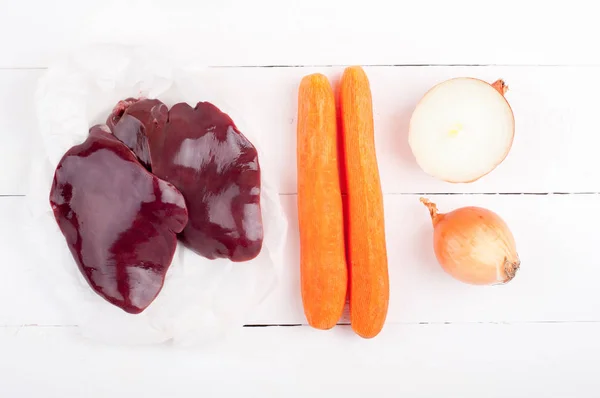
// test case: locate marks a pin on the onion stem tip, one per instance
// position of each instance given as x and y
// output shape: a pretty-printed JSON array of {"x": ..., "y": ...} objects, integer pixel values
[
  {"x": 500, "y": 86},
  {"x": 433, "y": 211}
]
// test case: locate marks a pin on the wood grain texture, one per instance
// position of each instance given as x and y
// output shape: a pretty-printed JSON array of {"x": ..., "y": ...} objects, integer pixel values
[
  {"x": 557, "y": 280},
  {"x": 554, "y": 148},
  {"x": 536, "y": 336},
  {"x": 463, "y": 360},
  {"x": 17, "y": 127},
  {"x": 270, "y": 32},
  {"x": 27, "y": 299}
]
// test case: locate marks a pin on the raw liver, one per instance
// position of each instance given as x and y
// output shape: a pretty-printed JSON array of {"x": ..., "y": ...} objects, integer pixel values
[
  {"x": 217, "y": 170},
  {"x": 119, "y": 221},
  {"x": 138, "y": 123},
  {"x": 202, "y": 153}
]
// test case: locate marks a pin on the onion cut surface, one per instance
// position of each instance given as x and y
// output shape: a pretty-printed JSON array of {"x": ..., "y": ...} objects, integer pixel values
[{"x": 462, "y": 129}]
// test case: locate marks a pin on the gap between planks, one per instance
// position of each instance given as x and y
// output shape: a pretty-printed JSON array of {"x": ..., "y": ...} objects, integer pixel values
[
  {"x": 413, "y": 66},
  {"x": 423, "y": 194},
  {"x": 287, "y": 325},
  {"x": 472, "y": 193},
  {"x": 432, "y": 323},
  {"x": 38, "y": 68}
]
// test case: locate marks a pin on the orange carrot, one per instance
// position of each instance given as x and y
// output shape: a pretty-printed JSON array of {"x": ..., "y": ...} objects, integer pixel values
[
  {"x": 369, "y": 279},
  {"x": 323, "y": 268}
]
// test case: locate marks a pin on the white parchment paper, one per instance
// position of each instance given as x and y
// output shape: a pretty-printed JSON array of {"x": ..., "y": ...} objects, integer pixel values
[{"x": 201, "y": 299}]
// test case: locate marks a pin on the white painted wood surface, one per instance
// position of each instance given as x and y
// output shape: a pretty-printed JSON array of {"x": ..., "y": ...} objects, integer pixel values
[
  {"x": 534, "y": 337},
  {"x": 309, "y": 32},
  {"x": 456, "y": 360}
]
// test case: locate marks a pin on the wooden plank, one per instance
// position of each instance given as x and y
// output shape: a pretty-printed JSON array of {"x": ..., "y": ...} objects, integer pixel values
[
  {"x": 26, "y": 298},
  {"x": 17, "y": 128},
  {"x": 556, "y": 241},
  {"x": 556, "y": 238},
  {"x": 473, "y": 360},
  {"x": 311, "y": 32},
  {"x": 554, "y": 148}
]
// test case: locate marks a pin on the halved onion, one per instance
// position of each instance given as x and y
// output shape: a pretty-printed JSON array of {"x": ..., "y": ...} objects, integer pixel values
[{"x": 462, "y": 129}]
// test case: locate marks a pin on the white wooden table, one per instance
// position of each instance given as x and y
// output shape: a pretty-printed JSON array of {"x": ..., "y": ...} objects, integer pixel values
[{"x": 537, "y": 336}]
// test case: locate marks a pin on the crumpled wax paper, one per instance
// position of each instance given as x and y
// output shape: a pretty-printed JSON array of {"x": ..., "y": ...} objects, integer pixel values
[{"x": 202, "y": 299}]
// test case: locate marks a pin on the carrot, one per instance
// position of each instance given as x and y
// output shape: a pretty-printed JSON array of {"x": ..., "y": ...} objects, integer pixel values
[
  {"x": 367, "y": 253},
  {"x": 323, "y": 267}
]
